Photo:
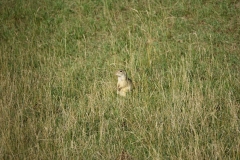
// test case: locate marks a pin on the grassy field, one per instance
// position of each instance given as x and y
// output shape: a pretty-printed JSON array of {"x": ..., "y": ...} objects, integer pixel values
[{"x": 58, "y": 88}]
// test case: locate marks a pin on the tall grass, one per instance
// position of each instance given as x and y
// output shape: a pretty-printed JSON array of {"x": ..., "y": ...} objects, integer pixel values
[{"x": 58, "y": 89}]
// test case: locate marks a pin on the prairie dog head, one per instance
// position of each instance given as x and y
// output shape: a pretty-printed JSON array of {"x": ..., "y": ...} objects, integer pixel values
[{"x": 121, "y": 74}]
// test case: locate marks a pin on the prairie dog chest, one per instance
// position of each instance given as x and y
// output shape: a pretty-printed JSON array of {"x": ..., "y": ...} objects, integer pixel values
[{"x": 122, "y": 82}]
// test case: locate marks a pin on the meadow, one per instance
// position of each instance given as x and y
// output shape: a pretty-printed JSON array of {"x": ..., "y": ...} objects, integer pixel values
[{"x": 58, "y": 86}]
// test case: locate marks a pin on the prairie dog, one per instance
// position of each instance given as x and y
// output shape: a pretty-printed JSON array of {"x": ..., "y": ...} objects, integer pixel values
[{"x": 124, "y": 84}]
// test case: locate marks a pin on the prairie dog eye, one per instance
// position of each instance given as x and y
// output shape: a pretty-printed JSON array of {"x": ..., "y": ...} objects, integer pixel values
[{"x": 120, "y": 71}]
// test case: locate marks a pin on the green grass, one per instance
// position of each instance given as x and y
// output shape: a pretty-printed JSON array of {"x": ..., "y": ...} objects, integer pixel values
[{"x": 58, "y": 89}]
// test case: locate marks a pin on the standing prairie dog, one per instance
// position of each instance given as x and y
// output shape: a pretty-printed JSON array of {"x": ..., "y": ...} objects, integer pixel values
[{"x": 124, "y": 84}]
